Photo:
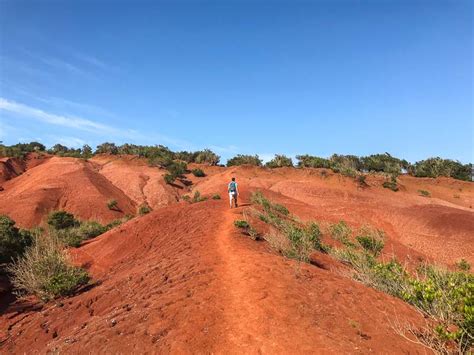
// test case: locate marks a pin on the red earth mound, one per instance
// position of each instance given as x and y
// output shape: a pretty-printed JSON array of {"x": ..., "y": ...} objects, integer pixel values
[
  {"x": 140, "y": 182},
  {"x": 429, "y": 228},
  {"x": 62, "y": 183},
  {"x": 183, "y": 280}
]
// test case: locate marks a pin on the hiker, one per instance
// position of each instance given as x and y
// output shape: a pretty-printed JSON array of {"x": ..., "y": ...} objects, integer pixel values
[{"x": 233, "y": 192}]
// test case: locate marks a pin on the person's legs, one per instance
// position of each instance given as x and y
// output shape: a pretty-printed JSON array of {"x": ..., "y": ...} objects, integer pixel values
[
  {"x": 231, "y": 197},
  {"x": 235, "y": 200}
]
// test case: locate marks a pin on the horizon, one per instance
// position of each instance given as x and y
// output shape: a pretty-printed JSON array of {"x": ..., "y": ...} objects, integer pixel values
[{"x": 262, "y": 78}]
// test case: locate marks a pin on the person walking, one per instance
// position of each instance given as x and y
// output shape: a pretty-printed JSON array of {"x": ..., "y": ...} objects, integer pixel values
[{"x": 233, "y": 190}]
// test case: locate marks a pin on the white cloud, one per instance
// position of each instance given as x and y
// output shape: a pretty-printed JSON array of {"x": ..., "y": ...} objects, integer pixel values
[
  {"x": 70, "y": 141},
  {"x": 66, "y": 121}
]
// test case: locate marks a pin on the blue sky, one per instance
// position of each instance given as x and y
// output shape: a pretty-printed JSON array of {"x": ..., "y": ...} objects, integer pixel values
[{"x": 317, "y": 77}]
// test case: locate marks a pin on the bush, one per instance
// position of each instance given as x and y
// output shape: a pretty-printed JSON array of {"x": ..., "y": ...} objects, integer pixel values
[
  {"x": 241, "y": 224},
  {"x": 361, "y": 180},
  {"x": 372, "y": 240},
  {"x": 384, "y": 163},
  {"x": 342, "y": 232},
  {"x": 245, "y": 160},
  {"x": 434, "y": 167},
  {"x": 112, "y": 205},
  {"x": 424, "y": 193},
  {"x": 186, "y": 198},
  {"x": 13, "y": 241},
  {"x": 46, "y": 271},
  {"x": 169, "y": 179},
  {"x": 392, "y": 184},
  {"x": 216, "y": 197},
  {"x": 206, "y": 156},
  {"x": 198, "y": 172},
  {"x": 74, "y": 236},
  {"x": 279, "y": 161},
  {"x": 198, "y": 198},
  {"x": 176, "y": 170},
  {"x": 61, "y": 220},
  {"x": 280, "y": 209},
  {"x": 144, "y": 209},
  {"x": 308, "y": 161},
  {"x": 463, "y": 265}
]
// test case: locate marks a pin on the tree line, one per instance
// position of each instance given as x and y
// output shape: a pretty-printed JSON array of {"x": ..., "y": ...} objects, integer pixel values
[{"x": 350, "y": 165}]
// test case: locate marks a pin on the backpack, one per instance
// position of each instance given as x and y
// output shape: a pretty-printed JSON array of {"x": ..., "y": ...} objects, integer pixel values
[{"x": 232, "y": 186}]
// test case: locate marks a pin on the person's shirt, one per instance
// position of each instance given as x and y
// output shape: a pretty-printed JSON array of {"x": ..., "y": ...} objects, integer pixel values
[{"x": 229, "y": 188}]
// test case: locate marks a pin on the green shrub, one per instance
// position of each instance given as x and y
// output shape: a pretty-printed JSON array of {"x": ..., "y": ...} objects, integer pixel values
[
  {"x": 280, "y": 209},
  {"x": 434, "y": 167},
  {"x": 46, "y": 271},
  {"x": 198, "y": 198},
  {"x": 342, "y": 232},
  {"x": 392, "y": 184},
  {"x": 169, "y": 179},
  {"x": 372, "y": 240},
  {"x": 144, "y": 209},
  {"x": 279, "y": 161},
  {"x": 13, "y": 241},
  {"x": 245, "y": 160},
  {"x": 112, "y": 205},
  {"x": 424, "y": 193},
  {"x": 361, "y": 180},
  {"x": 463, "y": 265},
  {"x": 308, "y": 161},
  {"x": 216, "y": 197},
  {"x": 90, "y": 229},
  {"x": 186, "y": 198},
  {"x": 206, "y": 156},
  {"x": 74, "y": 236},
  {"x": 198, "y": 172},
  {"x": 241, "y": 224},
  {"x": 61, "y": 220}
]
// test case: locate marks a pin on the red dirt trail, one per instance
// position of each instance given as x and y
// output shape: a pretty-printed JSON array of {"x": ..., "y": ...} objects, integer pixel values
[{"x": 182, "y": 280}]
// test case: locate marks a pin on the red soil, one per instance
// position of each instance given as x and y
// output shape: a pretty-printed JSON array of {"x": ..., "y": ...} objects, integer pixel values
[
  {"x": 183, "y": 279},
  {"x": 62, "y": 183}
]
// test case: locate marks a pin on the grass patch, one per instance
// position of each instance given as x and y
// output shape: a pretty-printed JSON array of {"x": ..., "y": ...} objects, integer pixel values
[
  {"x": 144, "y": 209},
  {"x": 463, "y": 265},
  {"x": 112, "y": 205},
  {"x": 198, "y": 198},
  {"x": 216, "y": 197},
  {"x": 241, "y": 224},
  {"x": 198, "y": 172},
  {"x": 46, "y": 271},
  {"x": 342, "y": 232},
  {"x": 424, "y": 193},
  {"x": 371, "y": 240}
]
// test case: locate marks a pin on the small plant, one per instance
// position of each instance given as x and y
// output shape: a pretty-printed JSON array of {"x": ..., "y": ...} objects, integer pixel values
[
  {"x": 198, "y": 172},
  {"x": 13, "y": 241},
  {"x": 46, "y": 271},
  {"x": 61, "y": 220},
  {"x": 186, "y": 198},
  {"x": 112, "y": 205},
  {"x": 392, "y": 184},
  {"x": 198, "y": 198},
  {"x": 371, "y": 240},
  {"x": 280, "y": 209},
  {"x": 342, "y": 232},
  {"x": 216, "y": 197},
  {"x": 424, "y": 193},
  {"x": 361, "y": 180},
  {"x": 241, "y": 224},
  {"x": 463, "y": 265},
  {"x": 144, "y": 209},
  {"x": 169, "y": 179}
]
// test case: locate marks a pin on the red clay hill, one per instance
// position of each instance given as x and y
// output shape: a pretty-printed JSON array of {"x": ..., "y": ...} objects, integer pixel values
[{"x": 183, "y": 279}]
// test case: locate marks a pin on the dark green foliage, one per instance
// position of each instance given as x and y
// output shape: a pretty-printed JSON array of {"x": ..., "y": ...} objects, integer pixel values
[
  {"x": 245, "y": 160},
  {"x": 106, "y": 148},
  {"x": 66, "y": 281},
  {"x": 463, "y": 265},
  {"x": 392, "y": 185},
  {"x": 280, "y": 209},
  {"x": 13, "y": 241},
  {"x": 198, "y": 172},
  {"x": 372, "y": 240},
  {"x": 241, "y": 224},
  {"x": 384, "y": 163},
  {"x": 144, "y": 209},
  {"x": 361, "y": 180},
  {"x": 112, "y": 205},
  {"x": 279, "y": 161},
  {"x": 206, "y": 156},
  {"x": 434, "y": 167},
  {"x": 20, "y": 150},
  {"x": 424, "y": 193},
  {"x": 176, "y": 170},
  {"x": 61, "y": 220},
  {"x": 186, "y": 198},
  {"x": 345, "y": 162},
  {"x": 216, "y": 197},
  {"x": 308, "y": 161}
]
